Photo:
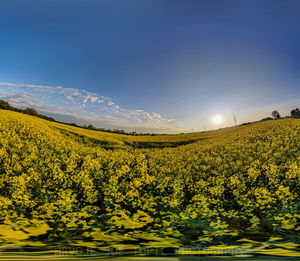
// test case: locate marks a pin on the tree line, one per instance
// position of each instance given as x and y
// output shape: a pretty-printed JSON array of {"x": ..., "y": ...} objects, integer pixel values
[
  {"x": 294, "y": 113},
  {"x": 30, "y": 111}
]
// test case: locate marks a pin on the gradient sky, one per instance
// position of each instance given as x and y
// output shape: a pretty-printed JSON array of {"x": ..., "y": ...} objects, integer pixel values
[{"x": 164, "y": 65}]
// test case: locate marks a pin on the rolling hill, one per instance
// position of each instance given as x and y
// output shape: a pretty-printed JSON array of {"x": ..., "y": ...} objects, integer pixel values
[{"x": 67, "y": 186}]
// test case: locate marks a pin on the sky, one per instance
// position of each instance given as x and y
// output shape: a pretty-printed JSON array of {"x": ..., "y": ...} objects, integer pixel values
[{"x": 151, "y": 65}]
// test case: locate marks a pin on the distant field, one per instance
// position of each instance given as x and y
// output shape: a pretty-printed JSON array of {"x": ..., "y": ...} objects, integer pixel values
[
  {"x": 227, "y": 192},
  {"x": 142, "y": 141}
]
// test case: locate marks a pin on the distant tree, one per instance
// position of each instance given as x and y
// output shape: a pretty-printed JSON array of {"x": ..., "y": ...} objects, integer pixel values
[
  {"x": 276, "y": 115},
  {"x": 246, "y": 123},
  {"x": 91, "y": 127},
  {"x": 295, "y": 112},
  {"x": 46, "y": 117},
  {"x": 266, "y": 119},
  {"x": 30, "y": 111},
  {"x": 5, "y": 105}
]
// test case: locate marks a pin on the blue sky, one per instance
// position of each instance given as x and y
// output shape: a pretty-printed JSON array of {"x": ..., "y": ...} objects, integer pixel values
[{"x": 162, "y": 65}]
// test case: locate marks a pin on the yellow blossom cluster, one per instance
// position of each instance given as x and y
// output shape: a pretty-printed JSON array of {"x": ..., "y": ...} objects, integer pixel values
[{"x": 67, "y": 185}]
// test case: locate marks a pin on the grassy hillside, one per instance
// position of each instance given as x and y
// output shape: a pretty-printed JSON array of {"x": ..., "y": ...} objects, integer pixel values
[{"x": 65, "y": 186}]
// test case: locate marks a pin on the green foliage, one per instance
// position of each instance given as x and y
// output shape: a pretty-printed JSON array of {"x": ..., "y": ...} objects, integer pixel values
[
  {"x": 295, "y": 113},
  {"x": 276, "y": 115}
]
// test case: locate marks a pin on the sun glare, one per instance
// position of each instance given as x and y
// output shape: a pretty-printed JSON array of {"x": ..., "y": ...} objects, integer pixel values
[{"x": 217, "y": 119}]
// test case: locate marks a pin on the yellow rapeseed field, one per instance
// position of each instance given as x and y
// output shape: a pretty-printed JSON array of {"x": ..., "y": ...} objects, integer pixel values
[{"x": 68, "y": 186}]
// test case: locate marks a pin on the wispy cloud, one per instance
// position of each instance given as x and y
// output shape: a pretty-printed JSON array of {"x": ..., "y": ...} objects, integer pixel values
[{"x": 84, "y": 105}]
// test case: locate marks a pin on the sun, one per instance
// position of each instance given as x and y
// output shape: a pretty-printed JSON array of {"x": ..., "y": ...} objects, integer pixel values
[{"x": 217, "y": 119}]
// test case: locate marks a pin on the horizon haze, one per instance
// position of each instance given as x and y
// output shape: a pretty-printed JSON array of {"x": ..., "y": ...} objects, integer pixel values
[{"x": 158, "y": 66}]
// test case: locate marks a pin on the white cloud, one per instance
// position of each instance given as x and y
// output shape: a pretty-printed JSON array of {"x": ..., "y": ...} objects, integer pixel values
[
  {"x": 94, "y": 99},
  {"x": 83, "y": 104}
]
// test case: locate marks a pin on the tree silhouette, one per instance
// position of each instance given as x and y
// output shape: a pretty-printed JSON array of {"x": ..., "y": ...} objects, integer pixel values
[
  {"x": 276, "y": 115},
  {"x": 31, "y": 111},
  {"x": 295, "y": 112},
  {"x": 5, "y": 105}
]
